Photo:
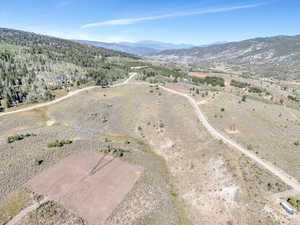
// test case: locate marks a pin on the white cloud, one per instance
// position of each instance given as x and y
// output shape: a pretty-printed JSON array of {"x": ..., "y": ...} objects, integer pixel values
[
  {"x": 74, "y": 34},
  {"x": 83, "y": 36},
  {"x": 128, "y": 21}
]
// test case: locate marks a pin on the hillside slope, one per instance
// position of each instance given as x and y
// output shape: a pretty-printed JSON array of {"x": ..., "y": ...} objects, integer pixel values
[
  {"x": 271, "y": 57},
  {"x": 34, "y": 67}
]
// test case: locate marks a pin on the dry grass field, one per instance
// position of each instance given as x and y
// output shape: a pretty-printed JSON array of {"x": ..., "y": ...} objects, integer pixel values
[
  {"x": 188, "y": 177},
  {"x": 267, "y": 129}
]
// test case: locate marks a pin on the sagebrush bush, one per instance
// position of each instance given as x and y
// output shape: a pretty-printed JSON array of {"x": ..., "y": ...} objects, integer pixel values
[
  {"x": 18, "y": 137},
  {"x": 59, "y": 144}
]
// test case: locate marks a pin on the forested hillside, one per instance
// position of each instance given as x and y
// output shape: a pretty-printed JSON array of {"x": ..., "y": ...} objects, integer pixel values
[{"x": 33, "y": 67}]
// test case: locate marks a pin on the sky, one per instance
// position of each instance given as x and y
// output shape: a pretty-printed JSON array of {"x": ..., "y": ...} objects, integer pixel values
[{"x": 176, "y": 21}]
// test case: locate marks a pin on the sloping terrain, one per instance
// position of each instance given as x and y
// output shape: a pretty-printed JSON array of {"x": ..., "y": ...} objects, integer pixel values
[
  {"x": 268, "y": 130},
  {"x": 38, "y": 68},
  {"x": 270, "y": 57},
  {"x": 187, "y": 173}
]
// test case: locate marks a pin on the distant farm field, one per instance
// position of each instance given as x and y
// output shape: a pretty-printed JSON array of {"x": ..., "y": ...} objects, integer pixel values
[{"x": 197, "y": 74}]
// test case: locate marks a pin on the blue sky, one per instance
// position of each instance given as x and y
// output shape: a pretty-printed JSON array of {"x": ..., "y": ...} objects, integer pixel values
[{"x": 177, "y": 21}]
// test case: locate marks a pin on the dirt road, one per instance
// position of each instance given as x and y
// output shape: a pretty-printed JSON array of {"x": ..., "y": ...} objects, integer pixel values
[
  {"x": 71, "y": 94},
  {"x": 25, "y": 211},
  {"x": 286, "y": 178}
]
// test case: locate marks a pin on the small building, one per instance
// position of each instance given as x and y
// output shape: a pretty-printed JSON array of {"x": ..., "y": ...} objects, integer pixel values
[{"x": 288, "y": 208}]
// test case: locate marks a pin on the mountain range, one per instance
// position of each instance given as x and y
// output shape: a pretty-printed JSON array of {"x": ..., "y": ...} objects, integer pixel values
[{"x": 144, "y": 48}]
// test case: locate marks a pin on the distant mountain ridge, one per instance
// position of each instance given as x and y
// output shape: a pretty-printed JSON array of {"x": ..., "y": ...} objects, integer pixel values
[
  {"x": 139, "y": 48},
  {"x": 157, "y": 45},
  {"x": 277, "y": 56}
]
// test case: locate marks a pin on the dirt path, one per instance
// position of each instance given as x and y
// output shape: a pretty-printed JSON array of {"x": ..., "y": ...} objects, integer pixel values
[
  {"x": 71, "y": 94},
  {"x": 25, "y": 211},
  {"x": 29, "y": 209},
  {"x": 286, "y": 178}
]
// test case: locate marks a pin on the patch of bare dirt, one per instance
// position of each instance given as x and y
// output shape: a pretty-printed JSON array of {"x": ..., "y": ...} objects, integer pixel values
[
  {"x": 89, "y": 184},
  {"x": 197, "y": 74}
]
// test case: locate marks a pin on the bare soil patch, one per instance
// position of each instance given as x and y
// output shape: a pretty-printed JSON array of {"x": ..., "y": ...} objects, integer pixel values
[
  {"x": 197, "y": 74},
  {"x": 178, "y": 87},
  {"x": 92, "y": 197}
]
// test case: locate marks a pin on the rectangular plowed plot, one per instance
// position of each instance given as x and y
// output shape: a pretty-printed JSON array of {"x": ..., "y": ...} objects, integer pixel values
[{"x": 92, "y": 195}]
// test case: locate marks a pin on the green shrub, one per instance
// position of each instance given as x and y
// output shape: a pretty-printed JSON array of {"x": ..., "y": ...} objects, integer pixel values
[
  {"x": 174, "y": 194},
  {"x": 38, "y": 162},
  {"x": 214, "y": 81},
  {"x": 161, "y": 124},
  {"x": 250, "y": 147},
  {"x": 239, "y": 84},
  {"x": 66, "y": 142},
  {"x": 244, "y": 98},
  {"x": 18, "y": 137},
  {"x": 255, "y": 90},
  {"x": 293, "y": 98},
  {"x": 106, "y": 140},
  {"x": 59, "y": 144},
  {"x": 295, "y": 202},
  {"x": 297, "y": 143}
]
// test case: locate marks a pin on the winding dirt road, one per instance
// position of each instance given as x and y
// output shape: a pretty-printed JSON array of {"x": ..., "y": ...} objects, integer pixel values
[
  {"x": 70, "y": 94},
  {"x": 282, "y": 175},
  {"x": 286, "y": 178}
]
